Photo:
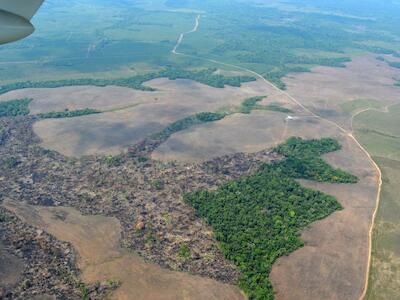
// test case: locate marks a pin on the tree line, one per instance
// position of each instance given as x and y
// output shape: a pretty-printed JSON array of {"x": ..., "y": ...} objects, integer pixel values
[
  {"x": 69, "y": 113},
  {"x": 206, "y": 76}
]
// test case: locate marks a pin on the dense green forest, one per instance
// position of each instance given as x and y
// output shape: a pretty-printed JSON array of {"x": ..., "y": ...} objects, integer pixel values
[
  {"x": 69, "y": 113},
  {"x": 13, "y": 108},
  {"x": 258, "y": 218},
  {"x": 303, "y": 160},
  {"x": 206, "y": 76}
]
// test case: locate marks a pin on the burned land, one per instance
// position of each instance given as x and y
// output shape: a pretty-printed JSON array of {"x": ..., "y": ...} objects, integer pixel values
[{"x": 144, "y": 195}]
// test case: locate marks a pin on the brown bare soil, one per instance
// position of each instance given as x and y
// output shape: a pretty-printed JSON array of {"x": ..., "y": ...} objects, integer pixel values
[{"x": 96, "y": 240}]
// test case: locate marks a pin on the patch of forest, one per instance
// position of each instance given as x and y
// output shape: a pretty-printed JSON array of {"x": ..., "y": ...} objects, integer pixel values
[
  {"x": 206, "y": 76},
  {"x": 20, "y": 107},
  {"x": 259, "y": 218},
  {"x": 303, "y": 160},
  {"x": 251, "y": 104},
  {"x": 185, "y": 123},
  {"x": 394, "y": 64},
  {"x": 13, "y": 108},
  {"x": 69, "y": 113}
]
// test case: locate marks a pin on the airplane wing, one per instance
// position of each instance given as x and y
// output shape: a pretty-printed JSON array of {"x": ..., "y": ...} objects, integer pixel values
[
  {"x": 15, "y": 16},
  {"x": 23, "y": 8}
]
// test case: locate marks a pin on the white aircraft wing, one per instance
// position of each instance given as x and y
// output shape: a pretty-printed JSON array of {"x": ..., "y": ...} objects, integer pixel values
[
  {"x": 23, "y": 8},
  {"x": 15, "y": 17}
]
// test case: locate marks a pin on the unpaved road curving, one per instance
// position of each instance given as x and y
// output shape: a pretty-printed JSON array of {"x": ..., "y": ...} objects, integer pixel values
[{"x": 312, "y": 289}]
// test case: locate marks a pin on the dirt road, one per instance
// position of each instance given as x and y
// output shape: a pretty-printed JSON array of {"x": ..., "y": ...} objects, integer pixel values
[{"x": 311, "y": 113}]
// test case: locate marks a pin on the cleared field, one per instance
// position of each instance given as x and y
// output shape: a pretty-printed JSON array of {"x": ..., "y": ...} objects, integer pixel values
[
  {"x": 132, "y": 115},
  {"x": 378, "y": 132},
  {"x": 107, "y": 133},
  {"x": 385, "y": 123},
  {"x": 329, "y": 266},
  {"x": 97, "y": 241},
  {"x": 237, "y": 133},
  {"x": 338, "y": 94},
  {"x": 330, "y": 91},
  {"x": 73, "y": 98}
]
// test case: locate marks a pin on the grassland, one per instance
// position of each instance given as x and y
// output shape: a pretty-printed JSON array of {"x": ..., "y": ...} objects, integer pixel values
[
  {"x": 362, "y": 103},
  {"x": 385, "y": 269},
  {"x": 379, "y": 133}
]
